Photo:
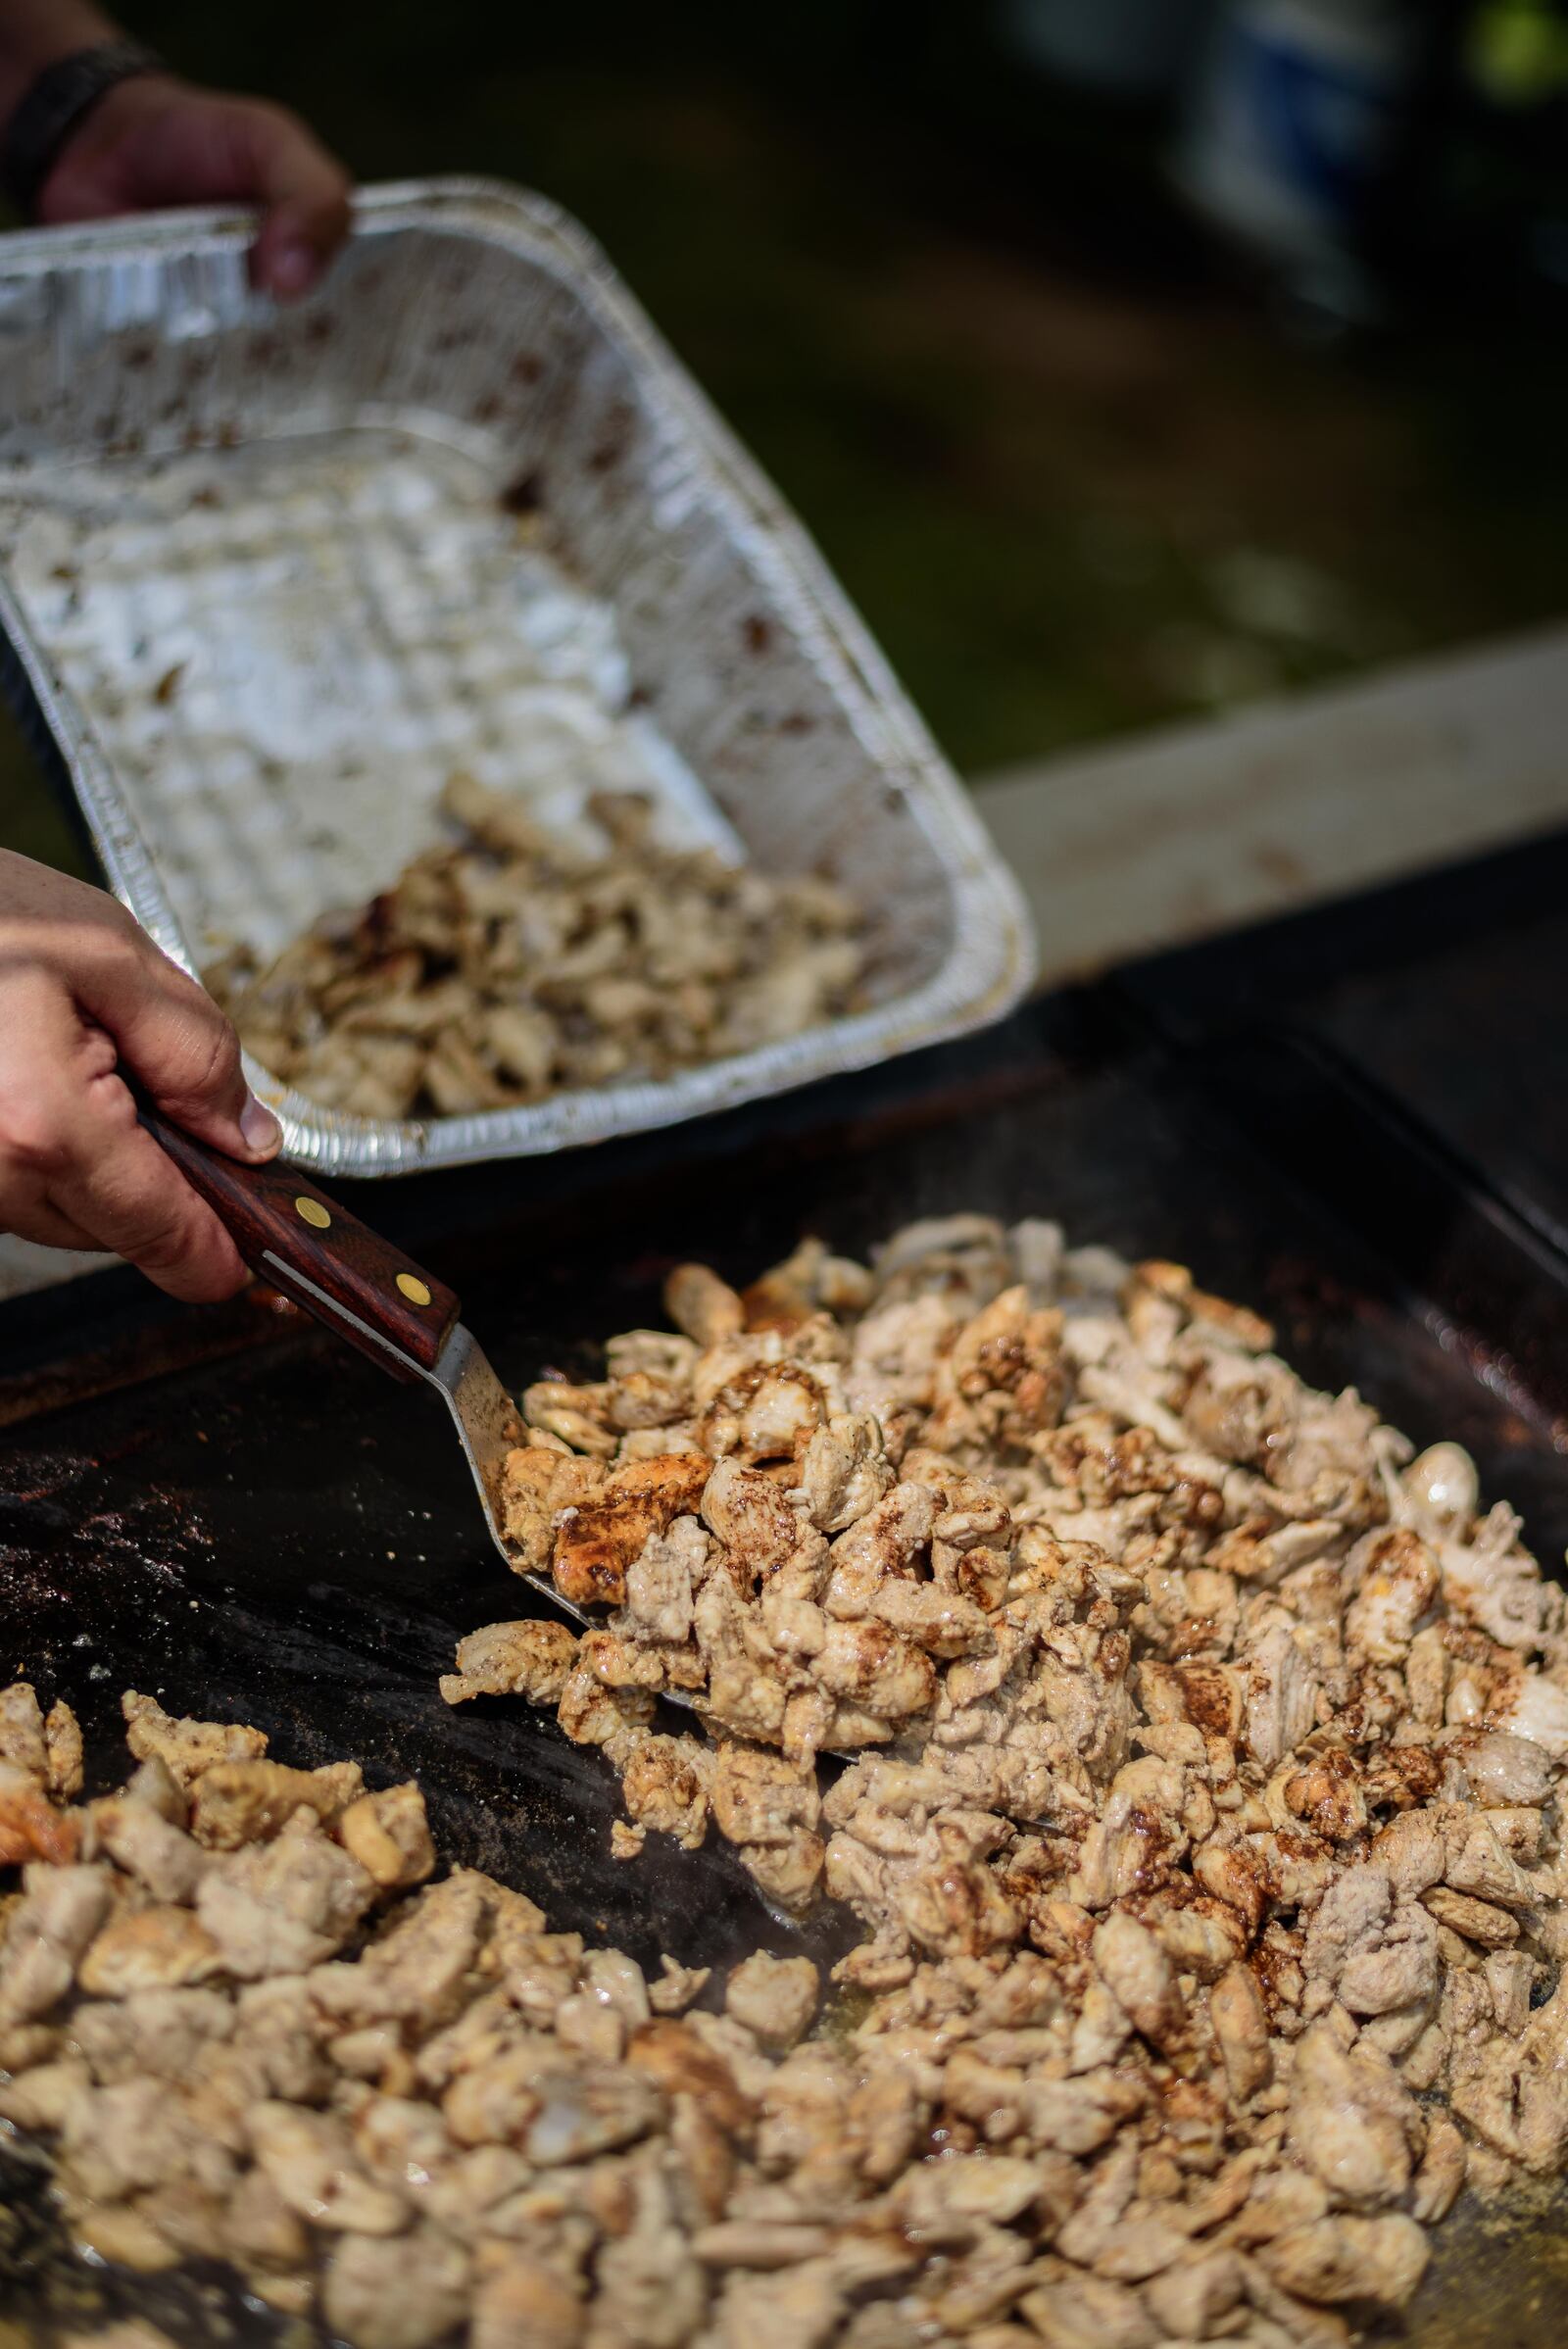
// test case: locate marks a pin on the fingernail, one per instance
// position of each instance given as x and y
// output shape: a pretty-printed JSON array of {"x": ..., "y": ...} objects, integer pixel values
[
  {"x": 293, "y": 268},
  {"x": 259, "y": 1126}
]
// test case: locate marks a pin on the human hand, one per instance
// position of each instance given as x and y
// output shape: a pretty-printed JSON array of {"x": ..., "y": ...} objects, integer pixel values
[
  {"x": 86, "y": 1000},
  {"x": 155, "y": 140}
]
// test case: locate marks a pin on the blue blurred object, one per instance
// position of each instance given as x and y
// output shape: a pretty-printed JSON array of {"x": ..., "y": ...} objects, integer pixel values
[{"x": 1292, "y": 120}]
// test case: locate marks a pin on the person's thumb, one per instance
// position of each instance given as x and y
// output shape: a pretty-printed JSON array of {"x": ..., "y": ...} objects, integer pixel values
[{"x": 174, "y": 1043}]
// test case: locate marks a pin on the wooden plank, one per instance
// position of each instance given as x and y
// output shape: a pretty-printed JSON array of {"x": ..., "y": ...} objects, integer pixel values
[{"x": 1164, "y": 838}]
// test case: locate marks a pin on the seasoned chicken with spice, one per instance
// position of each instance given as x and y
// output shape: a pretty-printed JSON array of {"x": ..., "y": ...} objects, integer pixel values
[
  {"x": 504, "y": 965},
  {"x": 1203, "y": 1835}
]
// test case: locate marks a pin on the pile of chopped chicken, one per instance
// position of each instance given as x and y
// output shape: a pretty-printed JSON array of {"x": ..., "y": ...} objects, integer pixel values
[
  {"x": 507, "y": 964},
  {"x": 1204, "y": 1812},
  {"x": 1204, "y": 1826}
]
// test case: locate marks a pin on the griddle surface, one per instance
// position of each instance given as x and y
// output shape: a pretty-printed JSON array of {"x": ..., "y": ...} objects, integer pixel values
[{"x": 284, "y": 1536}]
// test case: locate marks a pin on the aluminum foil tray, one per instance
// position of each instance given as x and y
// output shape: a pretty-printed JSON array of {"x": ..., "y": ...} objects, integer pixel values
[{"x": 269, "y": 577}]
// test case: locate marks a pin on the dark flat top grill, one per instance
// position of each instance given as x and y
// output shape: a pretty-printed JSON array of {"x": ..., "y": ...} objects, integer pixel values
[{"x": 231, "y": 1512}]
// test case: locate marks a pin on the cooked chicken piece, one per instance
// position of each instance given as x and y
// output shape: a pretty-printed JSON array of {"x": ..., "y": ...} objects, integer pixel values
[
  {"x": 1488, "y": 1577},
  {"x": 161, "y": 2031},
  {"x": 1515, "y": 2095},
  {"x": 22, "y": 1743},
  {"x": 1074, "y": 2310},
  {"x": 1136, "y": 1834},
  {"x": 235, "y": 1803},
  {"x": 1141, "y": 1977},
  {"x": 1100, "y": 2217},
  {"x": 934, "y": 1618},
  {"x": 149, "y": 1949},
  {"x": 769, "y": 1413},
  {"x": 788, "y": 1871},
  {"x": 750, "y": 1516},
  {"x": 1351, "y": 2121},
  {"x": 640, "y": 1401},
  {"x": 887, "y": 1541},
  {"x": 677, "y": 1987},
  {"x": 419, "y": 1967},
  {"x": 46, "y": 2097},
  {"x": 893, "y": 1362},
  {"x": 538, "y": 1480},
  {"x": 867, "y": 1664},
  {"x": 652, "y": 1354},
  {"x": 1239, "y": 2020},
  {"x": 405, "y": 2294},
  {"x": 62, "y": 1737},
  {"x": 148, "y": 1846},
  {"x": 1035, "y": 1248},
  {"x": 1535, "y": 1707},
  {"x": 1399, "y": 1579},
  {"x": 650, "y": 2288},
  {"x": 578, "y": 1415},
  {"x": 584, "y": 2110},
  {"x": 1511, "y": 1977},
  {"x": 25, "y": 2047},
  {"x": 1413, "y": 1852},
  {"x": 702, "y": 1305},
  {"x": 1280, "y": 1694},
  {"x": 137, "y": 2136},
  {"x": 760, "y": 2243},
  {"x": 698, "y": 2077},
  {"x": 401, "y": 2143},
  {"x": 664, "y": 1781},
  {"x": 282, "y": 1907},
  {"x": 747, "y": 1692},
  {"x": 522, "y": 2303},
  {"x": 185, "y": 1747},
  {"x": 945, "y": 1898},
  {"x": 46, "y": 1933},
  {"x": 1439, "y": 1491},
  {"x": 1441, "y": 2174},
  {"x": 530, "y": 1659},
  {"x": 261, "y": 2233},
  {"x": 389, "y": 1835},
  {"x": 775, "y": 1999},
  {"x": 809, "y": 1281},
  {"x": 1399, "y": 1968},
  {"x": 310, "y": 2160},
  {"x": 1473, "y": 1919},
  {"x": 597, "y": 1542},
  {"x": 845, "y": 1471},
  {"x": 1375, "y": 2262},
  {"x": 963, "y": 1252},
  {"x": 1480, "y": 1864},
  {"x": 1503, "y": 1768},
  {"x": 758, "y": 1797},
  {"x": 1193, "y": 2298},
  {"x": 30, "y": 1827},
  {"x": 660, "y": 1582}
]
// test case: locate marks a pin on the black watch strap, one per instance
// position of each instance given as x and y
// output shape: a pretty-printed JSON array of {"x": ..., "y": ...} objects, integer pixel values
[{"x": 54, "y": 108}]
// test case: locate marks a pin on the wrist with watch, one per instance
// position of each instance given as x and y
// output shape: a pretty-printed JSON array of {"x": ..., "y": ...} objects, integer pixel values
[{"x": 53, "y": 107}]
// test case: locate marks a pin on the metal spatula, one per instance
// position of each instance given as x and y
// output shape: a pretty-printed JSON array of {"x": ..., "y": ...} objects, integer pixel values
[
  {"x": 404, "y": 1319},
  {"x": 296, "y": 1238}
]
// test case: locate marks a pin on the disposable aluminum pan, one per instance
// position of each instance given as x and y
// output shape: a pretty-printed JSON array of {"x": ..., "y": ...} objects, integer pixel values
[{"x": 269, "y": 576}]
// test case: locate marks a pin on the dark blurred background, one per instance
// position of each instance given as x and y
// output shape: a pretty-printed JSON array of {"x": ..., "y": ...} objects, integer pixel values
[{"x": 1128, "y": 359}]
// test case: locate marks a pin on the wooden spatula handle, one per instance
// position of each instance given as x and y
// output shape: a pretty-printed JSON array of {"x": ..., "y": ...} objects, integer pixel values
[{"x": 298, "y": 1240}]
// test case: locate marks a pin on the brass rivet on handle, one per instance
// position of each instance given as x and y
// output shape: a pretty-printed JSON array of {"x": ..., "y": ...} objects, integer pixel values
[
  {"x": 311, "y": 1212},
  {"x": 414, "y": 1289}
]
